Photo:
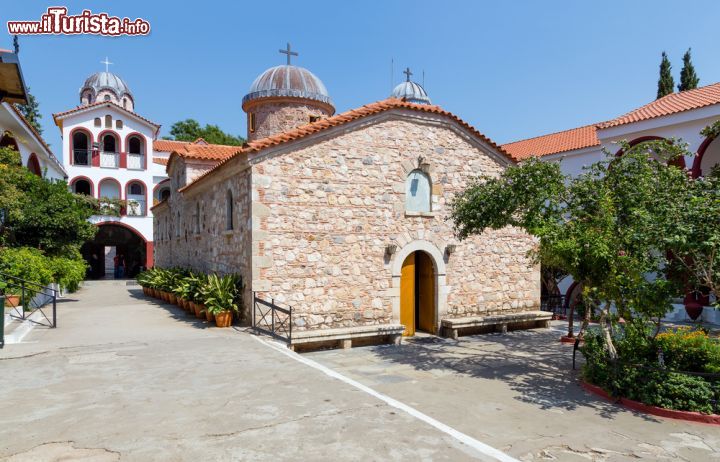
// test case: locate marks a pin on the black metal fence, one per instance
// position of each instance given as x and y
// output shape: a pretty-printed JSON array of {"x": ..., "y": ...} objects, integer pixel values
[
  {"x": 25, "y": 298},
  {"x": 271, "y": 319}
]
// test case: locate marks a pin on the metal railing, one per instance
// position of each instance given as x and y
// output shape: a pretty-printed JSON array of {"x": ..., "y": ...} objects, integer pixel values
[
  {"x": 135, "y": 161},
  {"x": 135, "y": 208},
  {"x": 32, "y": 297},
  {"x": 109, "y": 159},
  {"x": 81, "y": 156},
  {"x": 271, "y": 319}
]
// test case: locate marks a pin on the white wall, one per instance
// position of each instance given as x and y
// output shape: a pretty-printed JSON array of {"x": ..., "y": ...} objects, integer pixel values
[{"x": 150, "y": 177}]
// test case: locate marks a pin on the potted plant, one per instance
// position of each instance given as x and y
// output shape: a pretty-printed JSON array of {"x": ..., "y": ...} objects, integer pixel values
[{"x": 221, "y": 296}]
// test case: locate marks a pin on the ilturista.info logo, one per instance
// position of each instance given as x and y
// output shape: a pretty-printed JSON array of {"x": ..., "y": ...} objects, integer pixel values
[{"x": 56, "y": 21}]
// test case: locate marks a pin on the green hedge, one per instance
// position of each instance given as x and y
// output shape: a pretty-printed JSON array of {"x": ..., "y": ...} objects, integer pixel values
[
  {"x": 681, "y": 381},
  {"x": 30, "y": 264}
]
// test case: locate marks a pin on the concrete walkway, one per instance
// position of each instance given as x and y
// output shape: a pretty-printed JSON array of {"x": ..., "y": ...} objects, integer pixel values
[
  {"x": 518, "y": 393},
  {"x": 125, "y": 378}
]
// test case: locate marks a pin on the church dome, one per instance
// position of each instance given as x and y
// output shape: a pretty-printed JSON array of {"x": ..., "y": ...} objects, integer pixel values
[
  {"x": 411, "y": 92},
  {"x": 106, "y": 81},
  {"x": 288, "y": 81}
]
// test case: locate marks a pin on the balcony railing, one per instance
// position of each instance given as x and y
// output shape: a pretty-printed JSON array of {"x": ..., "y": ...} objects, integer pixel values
[
  {"x": 135, "y": 161},
  {"x": 81, "y": 157},
  {"x": 135, "y": 208},
  {"x": 109, "y": 159}
]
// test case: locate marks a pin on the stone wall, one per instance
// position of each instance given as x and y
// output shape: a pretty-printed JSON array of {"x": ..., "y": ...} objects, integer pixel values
[
  {"x": 272, "y": 117},
  {"x": 323, "y": 215},
  {"x": 202, "y": 242}
]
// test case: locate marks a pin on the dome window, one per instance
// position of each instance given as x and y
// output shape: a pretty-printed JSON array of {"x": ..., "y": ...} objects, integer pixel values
[
  {"x": 106, "y": 98},
  {"x": 251, "y": 122}
]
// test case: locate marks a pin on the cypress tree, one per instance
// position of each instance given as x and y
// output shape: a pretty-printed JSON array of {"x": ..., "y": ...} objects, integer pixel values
[
  {"x": 688, "y": 78},
  {"x": 666, "y": 84},
  {"x": 31, "y": 112}
]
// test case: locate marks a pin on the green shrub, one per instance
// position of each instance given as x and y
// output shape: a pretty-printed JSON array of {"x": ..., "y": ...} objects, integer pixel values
[
  {"x": 68, "y": 272},
  {"x": 24, "y": 263},
  {"x": 690, "y": 350},
  {"x": 639, "y": 375}
]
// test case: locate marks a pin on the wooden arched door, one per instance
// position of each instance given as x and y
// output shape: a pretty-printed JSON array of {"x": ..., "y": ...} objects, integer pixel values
[{"x": 417, "y": 294}]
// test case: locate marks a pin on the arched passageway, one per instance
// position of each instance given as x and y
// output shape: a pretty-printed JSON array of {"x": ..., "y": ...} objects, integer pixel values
[{"x": 115, "y": 240}]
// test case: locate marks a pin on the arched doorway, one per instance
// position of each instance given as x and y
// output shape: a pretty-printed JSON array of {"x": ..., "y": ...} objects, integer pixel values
[
  {"x": 417, "y": 294},
  {"x": 111, "y": 240}
]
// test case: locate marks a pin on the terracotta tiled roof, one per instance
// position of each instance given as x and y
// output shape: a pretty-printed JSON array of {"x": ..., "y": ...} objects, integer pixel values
[
  {"x": 37, "y": 136},
  {"x": 101, "y": 103},
  {"x": 167, "y": 145},
  {"x": 670, "y": 104},
  {"x": 568, "y": 140},
  {"x": 206, "y": 151},
  {"x": 160, "y": 160},
  {"x": 340, "y": 119}
]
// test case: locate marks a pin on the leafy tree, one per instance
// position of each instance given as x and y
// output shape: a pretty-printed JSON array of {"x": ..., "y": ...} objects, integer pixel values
[
  {"x": 190, "y": 130},
  {"x": 39, "y": 213},
  {"x": 688, "y": 78},
  {"x": 604, "y": 227},
  {"x": 31, "y": 112},
  {"x": 666, "y": 83}
]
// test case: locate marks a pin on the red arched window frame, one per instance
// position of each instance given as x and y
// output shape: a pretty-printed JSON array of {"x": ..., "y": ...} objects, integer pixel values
[
  {"x": 145, "y": 192},
  {"x": 34, "y": 165},
  {"x": 90, "y": 140},
  {"x": 90, "y": 182}
]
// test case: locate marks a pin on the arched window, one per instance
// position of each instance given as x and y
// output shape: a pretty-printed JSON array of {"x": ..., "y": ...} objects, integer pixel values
[
  {"x": 229, "y": 225},
  {"x": 109, "y": 188},
  {"x": 136, "y": 189},
  {"x": 108, "y": 119},
  {"x": 34, "y": 165},
  {"x": 81, "y": 148},
  {"x": 125, "y": 103},
  {"x": 109, "y": 143},
  {"x": 417, "y": 192},
  {"x": 135, "y": 145},
  {"x": 107, "y": 98},
  {"x": 82, "y": 186},
  {"x": 8, "y": 141},
  {"x": 164, "y": 193},
  {"x": 98, "y": 122},
  {"x": 119, "y": 124}
]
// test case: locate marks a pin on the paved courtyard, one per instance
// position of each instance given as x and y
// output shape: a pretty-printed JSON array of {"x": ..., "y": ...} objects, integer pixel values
[{"x": 126, "y": 378}]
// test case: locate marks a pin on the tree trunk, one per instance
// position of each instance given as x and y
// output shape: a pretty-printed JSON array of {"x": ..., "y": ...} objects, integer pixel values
[{"x": 609, "y": 345}]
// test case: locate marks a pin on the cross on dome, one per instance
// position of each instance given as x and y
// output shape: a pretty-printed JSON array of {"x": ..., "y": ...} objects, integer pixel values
[
  {"x": 106, "y": 63},
  {"x": 407, "y": 73},
  {"x": 289, "y": 53}
]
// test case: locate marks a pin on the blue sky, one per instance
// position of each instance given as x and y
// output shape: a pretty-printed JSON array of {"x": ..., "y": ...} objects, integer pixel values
[{"x": 511, "y": 69}]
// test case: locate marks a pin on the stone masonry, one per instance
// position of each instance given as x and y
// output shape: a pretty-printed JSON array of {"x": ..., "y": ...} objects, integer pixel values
[{"x": 316, "y": 216}]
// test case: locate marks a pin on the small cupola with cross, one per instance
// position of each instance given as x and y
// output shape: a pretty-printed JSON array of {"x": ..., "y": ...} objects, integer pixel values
[{"x": 285, "y": 97}]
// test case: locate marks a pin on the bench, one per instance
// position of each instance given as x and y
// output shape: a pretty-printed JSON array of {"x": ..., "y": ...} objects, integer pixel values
[
  {"x": 344, "y": 336},
  {"x": 452, "y": 327}
]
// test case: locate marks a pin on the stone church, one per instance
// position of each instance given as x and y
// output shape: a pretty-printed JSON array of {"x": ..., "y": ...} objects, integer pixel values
[{"x": 345, "y": 217}]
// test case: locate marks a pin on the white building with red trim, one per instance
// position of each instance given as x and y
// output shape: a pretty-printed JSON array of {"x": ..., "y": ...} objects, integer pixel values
[
  {"x": 681, "y": 116},
  {"x": 108, "y": 153},
  {"x": 15, "y": 131}
]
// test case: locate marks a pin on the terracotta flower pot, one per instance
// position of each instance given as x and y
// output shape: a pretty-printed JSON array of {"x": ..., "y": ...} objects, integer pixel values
[
  {"x": 199, "y": 311},
  {"x": 191, "y": 309},
  {"x": 145, "y": 290},
  {"x": 172, "y": 298},
  {"x": 209, "y": 316},
  {"x": 12, "y": 301},
  {"x": 223, "y": 319}
]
